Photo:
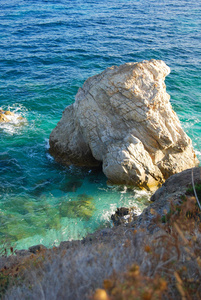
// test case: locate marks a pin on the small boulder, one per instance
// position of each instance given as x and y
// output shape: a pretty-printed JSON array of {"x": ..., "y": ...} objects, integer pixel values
[
  {"x": 7, "y": 116},
  {"x": 8, "y": 113},
  {"x": 3, "y": 118},
  {"x": 124, "y": 215},
  {"x": 37, "y": 248}
]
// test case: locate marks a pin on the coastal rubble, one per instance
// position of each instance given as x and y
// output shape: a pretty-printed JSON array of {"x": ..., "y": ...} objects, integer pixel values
[{"x": 123, "y": 119}]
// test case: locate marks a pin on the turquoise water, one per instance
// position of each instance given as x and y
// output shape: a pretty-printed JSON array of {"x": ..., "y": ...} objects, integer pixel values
[{"x": 48, "y": 49}]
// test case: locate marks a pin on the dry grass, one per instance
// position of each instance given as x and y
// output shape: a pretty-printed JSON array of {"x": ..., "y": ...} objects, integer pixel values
[
  {"x": 171, "y": 265},
  {"x": 124, "y": 264}
]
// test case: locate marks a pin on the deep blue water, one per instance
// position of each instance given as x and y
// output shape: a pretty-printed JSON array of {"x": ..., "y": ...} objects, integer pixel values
[{"x": 48, "y": 49}]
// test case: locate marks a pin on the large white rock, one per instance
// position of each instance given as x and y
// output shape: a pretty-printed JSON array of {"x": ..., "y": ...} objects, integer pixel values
[{"x": 123, "y": 119}]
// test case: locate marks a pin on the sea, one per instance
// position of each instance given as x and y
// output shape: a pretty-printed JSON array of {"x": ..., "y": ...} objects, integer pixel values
[{"x": 48, "y": 48}]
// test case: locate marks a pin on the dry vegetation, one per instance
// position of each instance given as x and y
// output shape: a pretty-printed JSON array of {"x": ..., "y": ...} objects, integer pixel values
[
  {"x": 117, "y": 264},
  {"x": 171, "y": 268}
]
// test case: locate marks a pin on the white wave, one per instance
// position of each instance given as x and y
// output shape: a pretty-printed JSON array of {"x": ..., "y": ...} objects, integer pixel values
[
  {"x": 124, "y": 190},
  {"x": 143, "y": 193},
  {"x": 106, "y": 214},
  {"x": 47, "y": 147},
  {"x": 49, "y": 157},
  {"x": 47, "y": 144},
  {"x": 198, "y": 152}
]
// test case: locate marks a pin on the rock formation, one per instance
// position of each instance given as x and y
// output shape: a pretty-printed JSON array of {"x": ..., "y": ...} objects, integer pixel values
[
  {"x": 123, "y": 119},
  {"x": 7, "y": 116},
  {"x": 172, "y": 192},
  {"x": 4, "y": 114}
]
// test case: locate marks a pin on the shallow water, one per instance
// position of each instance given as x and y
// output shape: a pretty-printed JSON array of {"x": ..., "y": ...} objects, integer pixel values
[{"x": 48, "y": 49}]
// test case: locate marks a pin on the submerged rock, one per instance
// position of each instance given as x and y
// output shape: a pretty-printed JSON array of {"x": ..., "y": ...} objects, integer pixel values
[
  {"x": 71, "y": 186},
  {"x": 123, "y": 119},
  {"x": 82, "y": 208}
]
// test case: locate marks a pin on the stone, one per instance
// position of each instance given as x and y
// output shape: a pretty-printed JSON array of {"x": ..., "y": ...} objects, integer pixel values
[
  {"x": 8, "y": 113},
  {"x": 3, "y": 118},
  {"x": 172, "y": 192},
  {"x": 37, "y": 248},
  {"x": 22, "y": 253},
  {"x": 124, "y": 215},
  {"x": 123, "y": 119},
  {"x": 6, "y": 116}
]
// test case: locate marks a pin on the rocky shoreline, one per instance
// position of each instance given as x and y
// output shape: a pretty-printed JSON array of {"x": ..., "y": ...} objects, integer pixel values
[{"x": 80, "y": 267}]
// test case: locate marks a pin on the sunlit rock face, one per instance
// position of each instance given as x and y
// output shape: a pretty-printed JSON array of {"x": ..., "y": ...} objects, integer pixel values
[
  {"x": 4, "y": 116},
  {"x": 123, "y": 119}
]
